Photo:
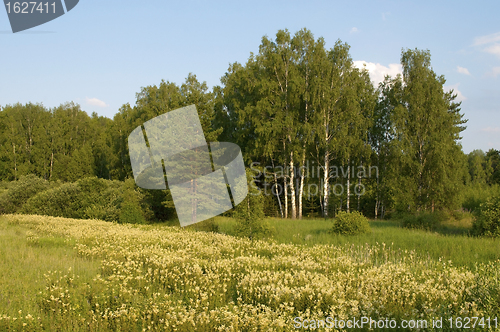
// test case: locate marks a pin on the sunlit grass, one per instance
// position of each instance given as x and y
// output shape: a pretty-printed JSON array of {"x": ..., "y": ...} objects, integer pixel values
[
  {"x": 450, "y": 242},
  {"x": 25, "y": 256},
  {"x": 90, "y": 275}
]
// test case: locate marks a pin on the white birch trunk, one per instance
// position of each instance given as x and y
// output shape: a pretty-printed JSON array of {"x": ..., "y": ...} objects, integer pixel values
[
  {"x": 348, "y": 185},
  {"x": 302, "y": 181},
  {"x": 292, "y": 188},
  {"x": 277, "y": 193},
  {"x": 286, "y": 195},
  {"x": 326, "y": 185}
]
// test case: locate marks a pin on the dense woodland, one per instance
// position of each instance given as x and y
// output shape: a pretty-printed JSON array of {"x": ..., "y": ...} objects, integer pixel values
[{"x": 295, "y": 105}]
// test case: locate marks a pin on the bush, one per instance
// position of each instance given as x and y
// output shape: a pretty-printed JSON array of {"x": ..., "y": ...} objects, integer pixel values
[
  {"x": 62, "y": 201},
  {"x": 249, "y": 214},
  {"x": 110, "y": 212},
  {"x": 101, "y": 199},
  {"x": 131, "y": 213},
  {"x": 91, "y": 198},
  {"x": 18, "y": 192},
  {"x": 423, "y": 220},
  {"x": 208, "y": 225},
  {"x": 253, "y": 228},
  {"x": 350, "y": 223},
  {"x": 487, "y": 221},
  {"x": 6, "y": 206}
]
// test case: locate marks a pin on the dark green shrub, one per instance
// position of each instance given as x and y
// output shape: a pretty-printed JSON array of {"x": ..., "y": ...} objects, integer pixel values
[
  {"x": 208, "y": 225},
  {"x": 107, "y": 205},
  {"x": 91, "y": 191},
  {"x": 487, "y": 221},
  {"x": 18, "y": 192},
  {"x": 4, "y": 185},
  {"x": 350, "y": 223},
  {"x": 253, "y": 228},
  {"x": 131, "y": 213},
  {"x": 424, "y": 221},
  {"x": 101, "y": 199},
  {"x": 88, "y": 198},
  {"x": 249, "y": 214},
  {"x": 62, "y": 201},
  {"x": 108, "y": 212},
  {"x": 6, "y": 205}
]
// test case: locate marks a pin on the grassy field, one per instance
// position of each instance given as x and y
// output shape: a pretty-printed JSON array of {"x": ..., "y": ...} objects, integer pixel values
[
  {"x": 61, "y": 274},
  {"x": 449, "y": 242},
  {"x": 25, "y": 257}
]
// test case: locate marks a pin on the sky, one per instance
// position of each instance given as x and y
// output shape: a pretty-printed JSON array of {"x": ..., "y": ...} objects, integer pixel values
[{"x": 101, "y": 53}]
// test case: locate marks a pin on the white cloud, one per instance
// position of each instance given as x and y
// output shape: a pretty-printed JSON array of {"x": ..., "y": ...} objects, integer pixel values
[
  {"x": 494, "y": 37},
  {"x": 491, "y": 43},
  {"x": 463, "y": 70},
  {"x": 495, "y": 71},
  {"x": 377, "y": 71},
  {"x": 460, "y": 96},
  {"x": 493, "y": 49},
  {"x": 354, "y": 30},
  {"x": 95, "y": 102},
  {"x": 491, "y": 129}
]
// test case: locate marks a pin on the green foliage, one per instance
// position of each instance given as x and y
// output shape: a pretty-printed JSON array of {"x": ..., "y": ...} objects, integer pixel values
[
  {"x": 108, "y": 212},
  {"x": 208, "y": 225},
  {"x": 130, "y": 193},
  {"x": 270, "y": 206},
  {"x": 249, "y": 214},
  {"x": 20, "y": 191},
  {"x": 253, "y": 228},
  {"x": 62, "y": 143},
  {"x": 493, "y": 166},
  {"x": 153, "y": 101},
  {"x": 92, "y": 198},
  {"x": 62, "y": 201},
  {"x": 317, "y": 277},
  {"x": 429, "y": 168},
  {"x": 133, "y": 209},
  {"x": 476, "y": 194},
  {"x": 479, "y": 168},
  {"x": 487, "y": 222},
  {"x": 293, "y": 100},
  {"x": 105, "y": 204},
  {"x": 350, "y": 223},
  {"x": 131, "y": 213}
]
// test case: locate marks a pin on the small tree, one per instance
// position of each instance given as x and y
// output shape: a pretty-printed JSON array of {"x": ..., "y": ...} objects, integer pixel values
[
  {"x": 132, "y": 208},
  {"x": 131, "y": 213},
  {"x": 249, "y": 214}
]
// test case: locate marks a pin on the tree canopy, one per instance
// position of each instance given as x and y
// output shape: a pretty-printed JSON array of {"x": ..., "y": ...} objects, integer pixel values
[{"x": 320, "y": 137}]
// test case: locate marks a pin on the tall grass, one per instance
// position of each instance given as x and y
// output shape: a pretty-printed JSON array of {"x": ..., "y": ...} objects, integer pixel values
[
  {"x": 91, "y": 275},
  {"x": 25, "y": 256}
]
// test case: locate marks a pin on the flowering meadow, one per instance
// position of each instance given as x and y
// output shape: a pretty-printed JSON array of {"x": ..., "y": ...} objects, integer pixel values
[{"x": 155, "y": 278}]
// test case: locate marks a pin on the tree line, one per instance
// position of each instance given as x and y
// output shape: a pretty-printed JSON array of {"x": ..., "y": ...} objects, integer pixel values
[{"x": 311, "y": 125}]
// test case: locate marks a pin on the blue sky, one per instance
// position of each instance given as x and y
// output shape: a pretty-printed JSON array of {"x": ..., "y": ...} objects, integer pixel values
[{"x": 101, "y": 53}]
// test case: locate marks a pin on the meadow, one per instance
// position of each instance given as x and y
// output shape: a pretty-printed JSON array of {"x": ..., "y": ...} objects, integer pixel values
[
  {"x": 450, "y": 241},
  {"x": 61, "y": 274}
]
